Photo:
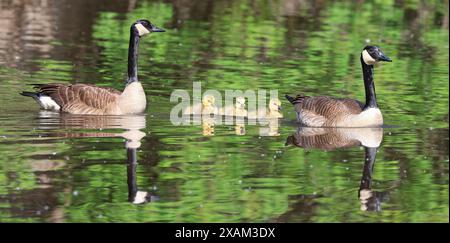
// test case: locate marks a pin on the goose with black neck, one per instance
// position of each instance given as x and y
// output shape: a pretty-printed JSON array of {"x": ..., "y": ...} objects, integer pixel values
[
  {"x": 324, "y": 111},
  {"x": 88, "y": 99}
]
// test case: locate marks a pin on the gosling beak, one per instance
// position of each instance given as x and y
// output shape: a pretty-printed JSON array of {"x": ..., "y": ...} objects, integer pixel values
[
  {"x": 279, "y": 108},
  {"x": 384, "y": 58},
  {"x": 156, "y": 29}
]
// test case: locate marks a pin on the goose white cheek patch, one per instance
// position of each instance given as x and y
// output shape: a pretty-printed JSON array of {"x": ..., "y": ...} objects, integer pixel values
[
  {"x": 368, "y": 59},
  {"x": 141, "y": 29}
]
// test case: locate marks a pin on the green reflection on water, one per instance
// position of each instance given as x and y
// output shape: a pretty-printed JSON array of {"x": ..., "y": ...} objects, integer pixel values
[{"x": 49, "y": 174}]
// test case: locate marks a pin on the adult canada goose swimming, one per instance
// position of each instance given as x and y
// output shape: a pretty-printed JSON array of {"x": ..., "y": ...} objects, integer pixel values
[
  {"x": 90, "y": 99},
  {"x": 323, "y": 111}
]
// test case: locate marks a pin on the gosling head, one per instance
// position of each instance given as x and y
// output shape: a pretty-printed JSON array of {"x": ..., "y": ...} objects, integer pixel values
[
  {"x": 240, "y": 103},
  {"x": 208, "y": 101},
  {"x": 144, "y": 27},
  {"x": 372, "y": 54},
  {"x": 274, "y": 104}
]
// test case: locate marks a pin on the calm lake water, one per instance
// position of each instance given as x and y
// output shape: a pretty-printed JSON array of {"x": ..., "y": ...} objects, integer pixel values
[{"x": 65, "y": 168}]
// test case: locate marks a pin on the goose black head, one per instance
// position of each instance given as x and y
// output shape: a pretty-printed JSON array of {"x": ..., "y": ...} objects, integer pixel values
[
  {"x": 144, "y": 27},
  {"x": 373, "y": 54}
]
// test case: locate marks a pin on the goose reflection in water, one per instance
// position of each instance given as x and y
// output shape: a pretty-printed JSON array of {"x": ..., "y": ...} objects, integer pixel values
[
  {"x": 131, "y": 124},
  {"x": 335, "y": 138}
]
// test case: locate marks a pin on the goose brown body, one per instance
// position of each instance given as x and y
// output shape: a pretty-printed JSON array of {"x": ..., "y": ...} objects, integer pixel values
[
  {"x": 324, "y": 111},
  {"x": 88, "y": 99}
]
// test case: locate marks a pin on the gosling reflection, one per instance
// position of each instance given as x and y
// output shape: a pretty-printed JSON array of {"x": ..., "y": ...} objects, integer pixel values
[
  {"x": 132, "y": 134},
  {"x": 208, "y": 124},
  {"x": 239, "y": 128},
  {"x": 272, "y": 128},
  {"x": 208, "y": 127},
  {"x": 336, "y": 138}
]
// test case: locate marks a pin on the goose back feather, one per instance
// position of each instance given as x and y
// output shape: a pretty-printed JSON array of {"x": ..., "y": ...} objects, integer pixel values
[
  {"x": 82, "y": 98},
  {"x": 324, "y": 111}
]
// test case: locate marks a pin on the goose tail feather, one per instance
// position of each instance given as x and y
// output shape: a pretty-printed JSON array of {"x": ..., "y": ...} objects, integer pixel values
[
  {"x": 290, "y": 98},
  {"x": 297, "y": 99}
]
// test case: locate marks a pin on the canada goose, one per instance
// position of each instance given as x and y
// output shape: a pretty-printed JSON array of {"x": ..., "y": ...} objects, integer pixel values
[
  {"x": 238, "y": 109},
  {"x": 323, "y": 111},
  {"x": 273, "y": 110},
  {"x": 91, "y": 99},
  {"x": 207, "y": 106}
]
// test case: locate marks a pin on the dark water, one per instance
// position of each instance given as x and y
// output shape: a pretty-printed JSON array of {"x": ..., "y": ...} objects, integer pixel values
[{"x": 66, "y": 168}]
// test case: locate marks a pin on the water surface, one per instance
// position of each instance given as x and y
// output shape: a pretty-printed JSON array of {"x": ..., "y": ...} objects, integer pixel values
[{"x": 67, "y": 168}]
